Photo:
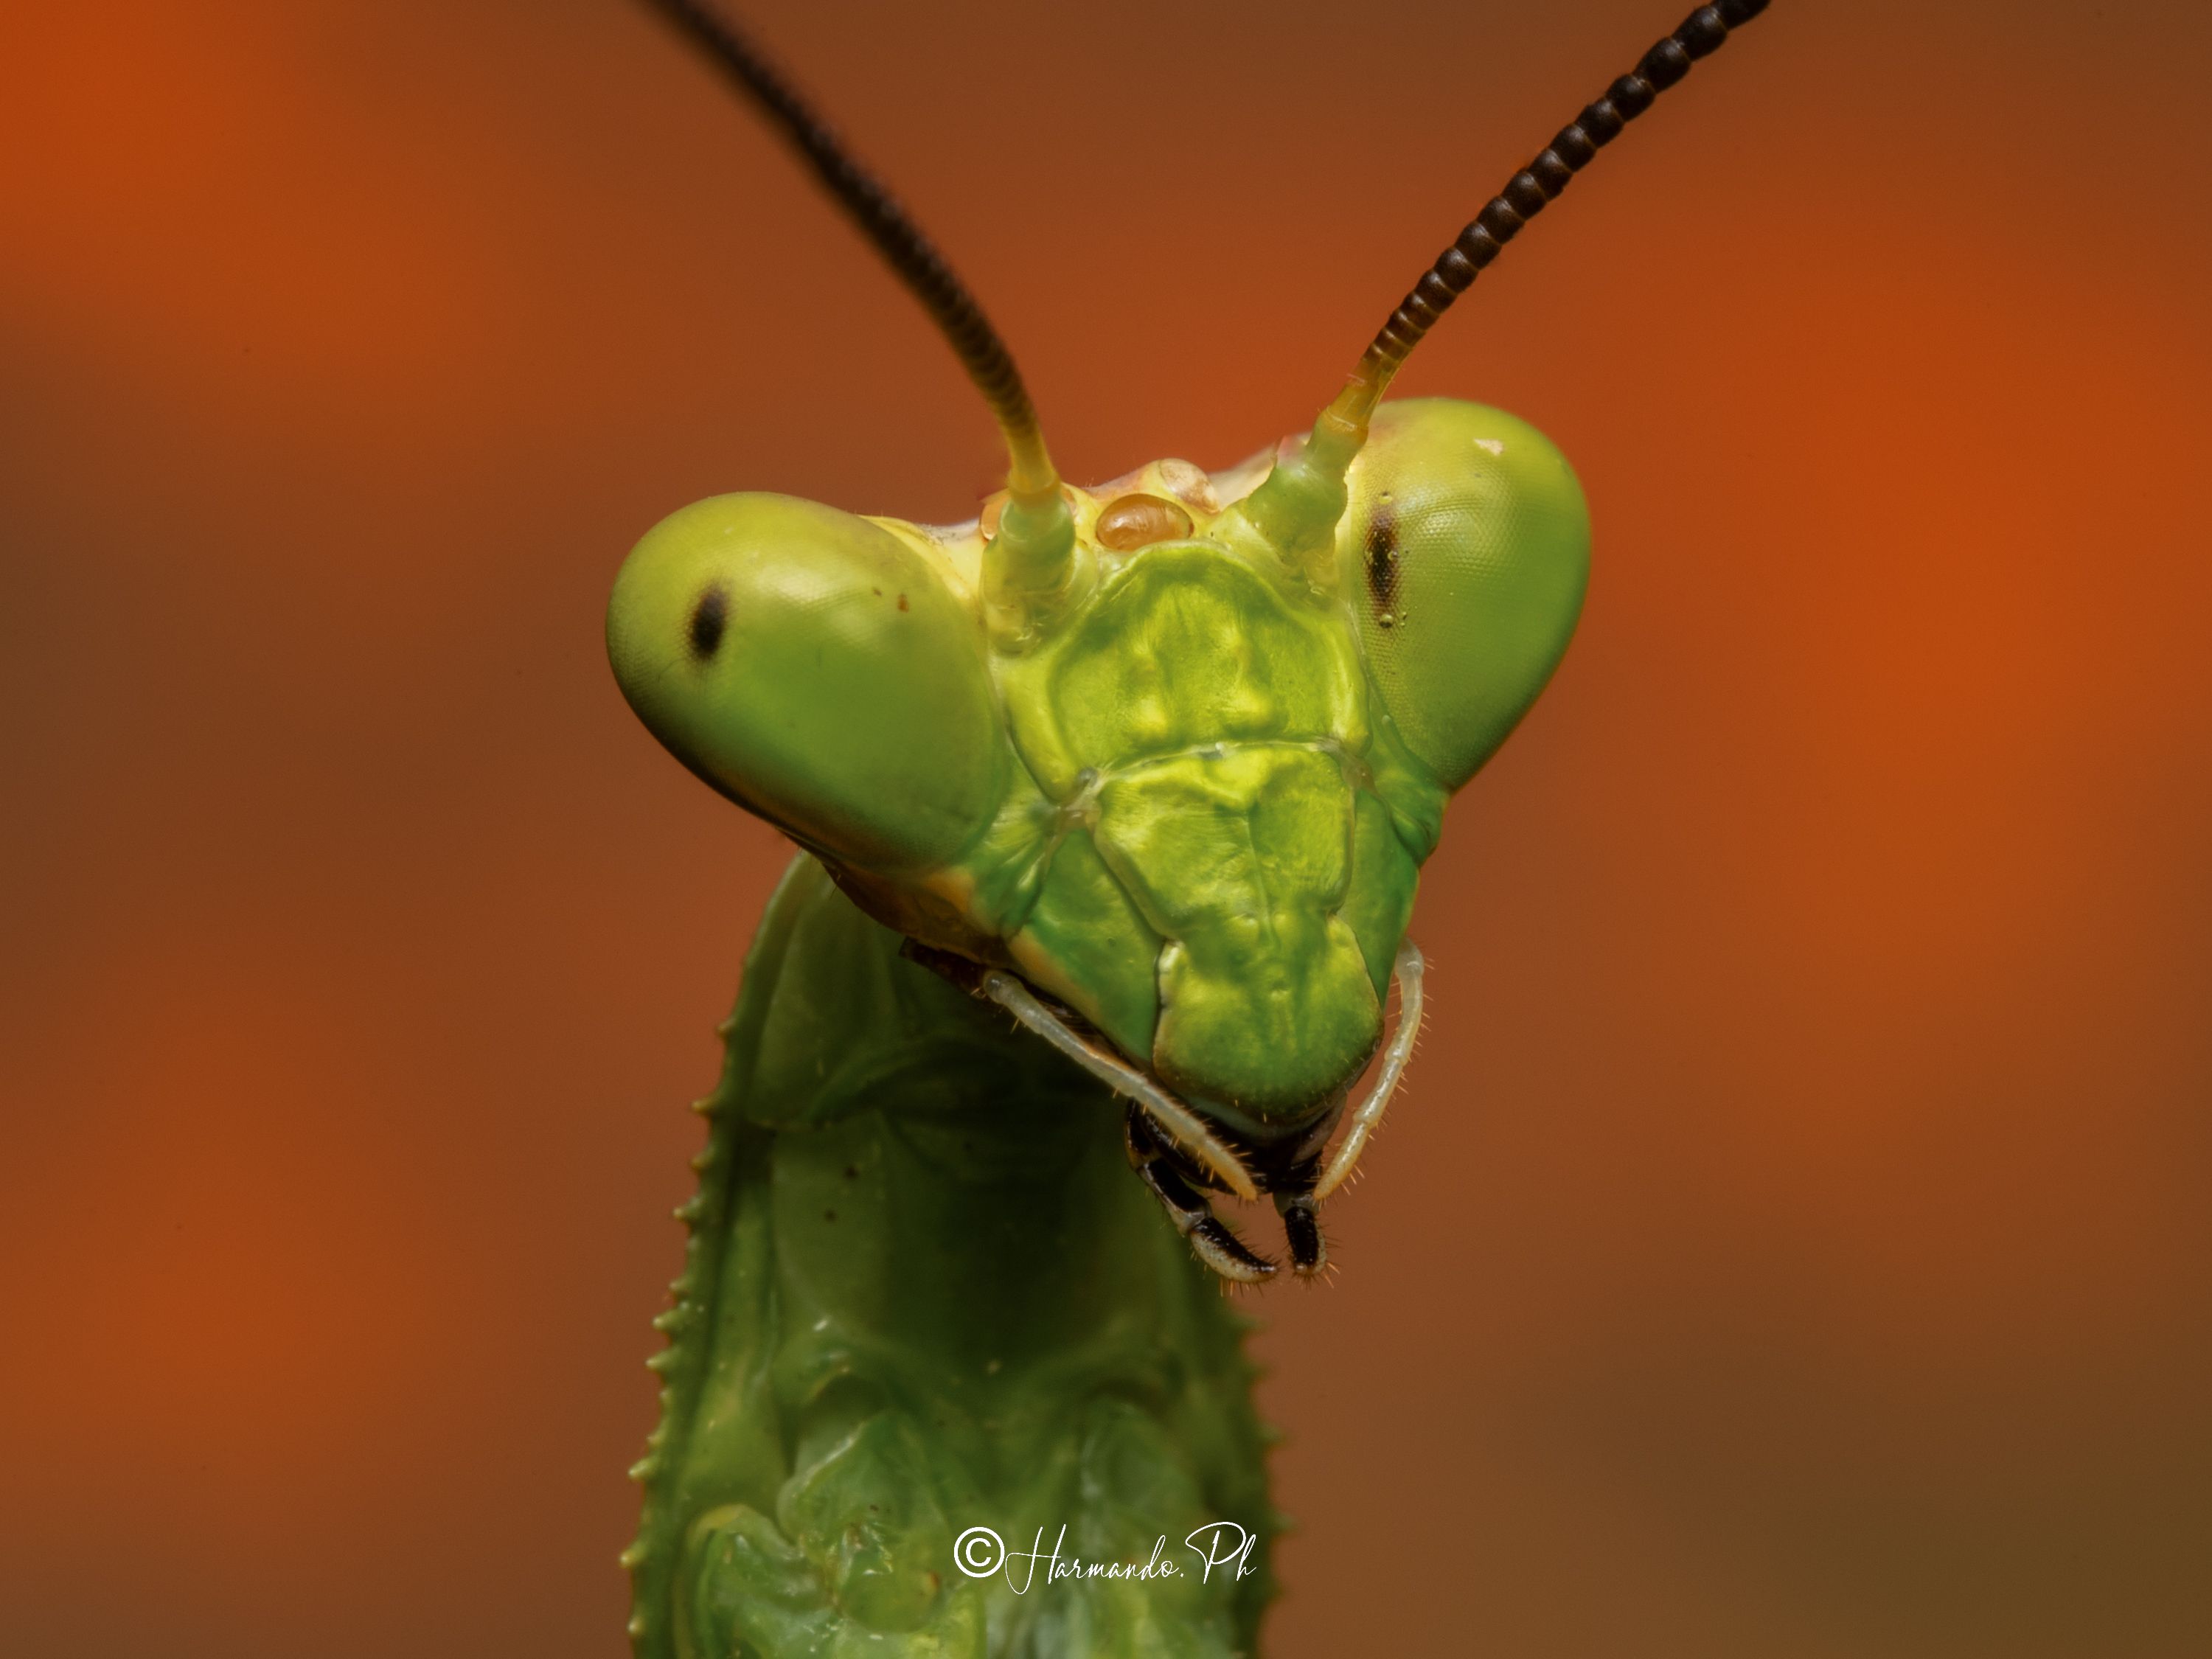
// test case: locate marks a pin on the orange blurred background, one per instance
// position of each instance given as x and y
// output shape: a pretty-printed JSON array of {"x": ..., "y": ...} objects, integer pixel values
[{"x": 1795, "y": 1240}]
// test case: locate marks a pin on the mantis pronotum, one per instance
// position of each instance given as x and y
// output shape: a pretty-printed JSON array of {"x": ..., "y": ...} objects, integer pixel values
[{"x": 1152, "y": 769}]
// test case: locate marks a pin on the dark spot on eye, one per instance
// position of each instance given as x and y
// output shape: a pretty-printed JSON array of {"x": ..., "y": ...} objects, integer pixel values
[
  {"x": 708, "y": 619},
  {"x": 1383, "y": 564},
  {"x": 901, "y": 601},
  {"x": 829, "y": 1215}
]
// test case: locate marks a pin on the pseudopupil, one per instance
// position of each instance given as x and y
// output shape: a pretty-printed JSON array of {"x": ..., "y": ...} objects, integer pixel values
[
  {"x": 708, "y": 617},
  {"x": 1383, "y": 570}
]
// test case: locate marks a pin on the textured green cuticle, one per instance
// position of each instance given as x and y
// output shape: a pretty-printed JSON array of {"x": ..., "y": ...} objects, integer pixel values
[{"x": 922, "y": 1293}]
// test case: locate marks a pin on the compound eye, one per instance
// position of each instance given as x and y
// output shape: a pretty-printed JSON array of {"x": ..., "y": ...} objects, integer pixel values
[
  {"x": 1466, "y": 547},
  {"x": 817, "y": 669}
]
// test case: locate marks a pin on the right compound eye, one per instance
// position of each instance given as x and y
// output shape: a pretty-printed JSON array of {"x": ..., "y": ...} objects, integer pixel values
[{"x": 817, "y": 669}]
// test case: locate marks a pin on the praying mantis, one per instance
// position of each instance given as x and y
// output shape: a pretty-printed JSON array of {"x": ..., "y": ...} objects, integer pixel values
[{"x": 1111, "y": 804}]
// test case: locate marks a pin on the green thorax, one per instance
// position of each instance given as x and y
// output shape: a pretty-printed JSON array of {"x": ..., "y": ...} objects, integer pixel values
[{"x": 922, "y": 1292}]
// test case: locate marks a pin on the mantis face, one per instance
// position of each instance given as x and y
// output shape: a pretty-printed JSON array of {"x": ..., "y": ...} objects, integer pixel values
[
  {"x": 1170, "y": 752},
  {"x": 1185, "y": 796}
]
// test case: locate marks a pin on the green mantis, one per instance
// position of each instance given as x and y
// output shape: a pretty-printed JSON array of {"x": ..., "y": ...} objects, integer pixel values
[{"x": 1112, "y": 804}]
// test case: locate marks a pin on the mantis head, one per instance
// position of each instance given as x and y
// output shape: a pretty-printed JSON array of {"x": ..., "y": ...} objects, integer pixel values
[{"x": 1156, "y": 764}]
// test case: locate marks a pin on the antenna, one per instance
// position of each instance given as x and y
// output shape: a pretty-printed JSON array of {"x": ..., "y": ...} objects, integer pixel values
[
  {"x": 1702, "y": 34},
  {"x": 1035, "y": 544},
  {"x": 1292, "y": 499}
]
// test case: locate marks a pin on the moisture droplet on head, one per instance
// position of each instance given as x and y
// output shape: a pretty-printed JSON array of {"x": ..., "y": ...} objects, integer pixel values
[
  {"x": 1133, "y": 521},
  {"x": 1189, "y": 485}
]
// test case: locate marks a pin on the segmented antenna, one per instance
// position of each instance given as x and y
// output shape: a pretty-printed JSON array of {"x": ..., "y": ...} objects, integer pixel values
[
  {"x": 1525, "y": 194},
  {"x": 910, "y": 253}
]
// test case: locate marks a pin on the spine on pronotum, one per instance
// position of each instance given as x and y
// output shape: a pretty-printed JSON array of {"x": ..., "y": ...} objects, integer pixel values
[{"x": 1110, "y": 805}]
